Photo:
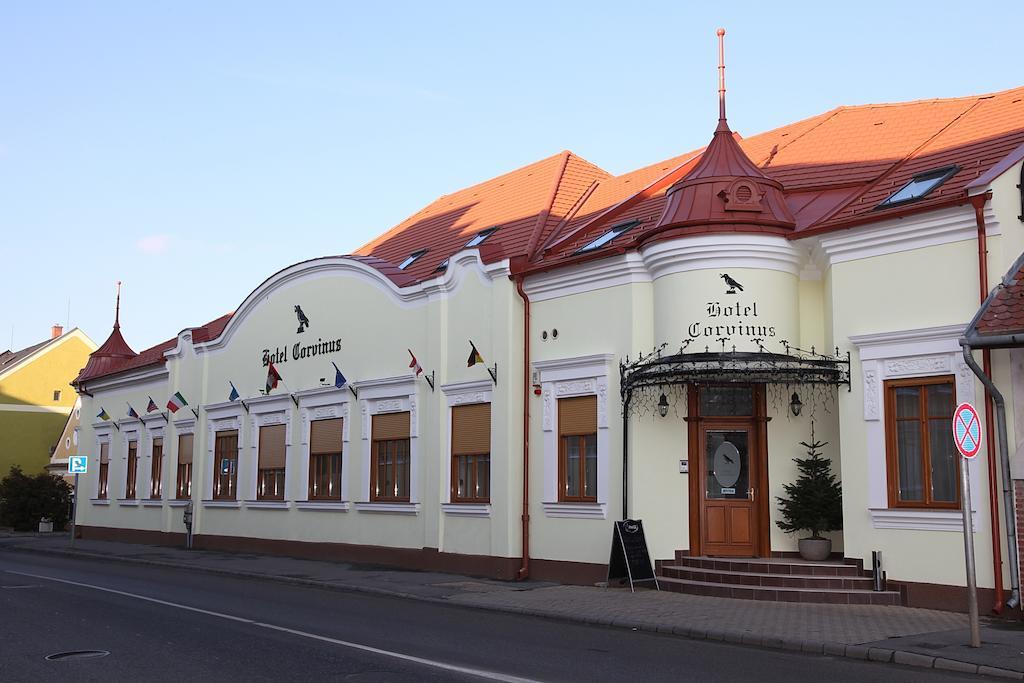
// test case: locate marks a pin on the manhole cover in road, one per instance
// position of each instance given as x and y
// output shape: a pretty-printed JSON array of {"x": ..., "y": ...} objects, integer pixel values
[{"x": 77, "y": 654}]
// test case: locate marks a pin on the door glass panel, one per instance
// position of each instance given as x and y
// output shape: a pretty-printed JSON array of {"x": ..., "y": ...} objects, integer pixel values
[
  {"x": 727, "y": 464},
  {"x": 726, "y": 401}
]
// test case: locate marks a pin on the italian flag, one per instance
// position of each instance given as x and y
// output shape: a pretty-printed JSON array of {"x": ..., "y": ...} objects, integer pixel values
[{"x": 177, "y": 402}]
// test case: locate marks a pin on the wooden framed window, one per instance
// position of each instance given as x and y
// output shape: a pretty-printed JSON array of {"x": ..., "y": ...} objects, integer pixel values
[
  {"x": 922, "y": 461},
  {"x": 132, "y": 473},
  {"x": 577, "y": 449},
  {"x": 270, "y": 482},
  {"x": 225, "y": 465},
  {"x": 471, "y": 453},
  {"x": 183, "y": 489},
  {"x": 156, "y": 469},
  {"x": 325, "y": 445},
  {"x": 389, "y": 458},
  {"x": 101, "y": 490}
]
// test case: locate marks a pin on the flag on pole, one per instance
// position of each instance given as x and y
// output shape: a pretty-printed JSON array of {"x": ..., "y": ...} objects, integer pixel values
[
  {"x": 474, "y": 355},
  {"x": 177, "y": 402},
  {"x": 152, "y": 405},
  {"x": 131, "y": 412},
  {"x": 234, "y": 395},
  {"x": 273, "y": 377},
  {"x": 415, "y": 364},
  {"x": 339, "y": 379},
  {"x": 103, "y": 415}
]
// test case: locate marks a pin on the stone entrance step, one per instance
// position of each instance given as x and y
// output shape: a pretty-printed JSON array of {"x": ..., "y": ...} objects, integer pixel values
[{"x": 781, "y": 580}]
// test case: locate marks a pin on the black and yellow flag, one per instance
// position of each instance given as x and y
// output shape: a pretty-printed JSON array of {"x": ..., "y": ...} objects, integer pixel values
[{"x": 474, "y": 356}]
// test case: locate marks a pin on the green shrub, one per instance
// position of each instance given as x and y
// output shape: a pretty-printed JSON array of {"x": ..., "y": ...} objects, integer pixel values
[{"x": 24, "y": 500}]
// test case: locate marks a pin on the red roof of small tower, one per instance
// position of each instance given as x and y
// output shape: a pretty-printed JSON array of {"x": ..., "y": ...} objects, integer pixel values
[
  {"x": 111, "y": 355},
  {"x": 726, "y": 190}
]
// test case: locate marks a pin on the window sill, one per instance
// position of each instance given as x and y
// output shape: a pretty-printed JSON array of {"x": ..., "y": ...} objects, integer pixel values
[
  {"x": 467, "y": 509},
  {"x": 919, "y": 520},
  {"x": 342, "y": 505},
  {"x": 576, "y": 510},
  {"x": 221, "y": 504},
  {"x": 100, "y": 501},
  {"x": 152, "y": 503},
  {"x": 268, "y": 504},
  {"x": 178, "y": 502},
  {"x": 128, "y": 502},
  {"x": 397, "y": 508}
]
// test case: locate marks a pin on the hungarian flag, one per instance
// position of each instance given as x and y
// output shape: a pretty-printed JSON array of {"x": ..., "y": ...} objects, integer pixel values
[
  {"x": 234, "y": 395},
  {"x": 414, "y": 364},
  {"x": 131, "y": 412},
  {"x": 103, "y": 415},
  {"x": 177, "y": 402},
  {"x": 474, "y": 355},
  {"x": 339, "y": 379},
  {"x": 273, "y": 377},
  {"x": 152, "y": 405}
]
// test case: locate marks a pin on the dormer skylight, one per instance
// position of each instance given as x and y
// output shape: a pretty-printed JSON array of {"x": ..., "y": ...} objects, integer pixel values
[
  {"x": 608, "y": 236},
  {"x": 481, "y": 236},
  {"x": 442, "y": 266},
  {"x": 919, "y": 186},
  {"x": 413, "y": 257}
]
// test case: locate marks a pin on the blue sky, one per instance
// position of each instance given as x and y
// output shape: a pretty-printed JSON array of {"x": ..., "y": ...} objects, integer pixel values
[{"x": 193, "y": 149}]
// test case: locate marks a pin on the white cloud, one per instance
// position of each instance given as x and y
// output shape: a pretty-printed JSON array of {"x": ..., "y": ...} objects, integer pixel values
[{"x": 154, "y": 244}]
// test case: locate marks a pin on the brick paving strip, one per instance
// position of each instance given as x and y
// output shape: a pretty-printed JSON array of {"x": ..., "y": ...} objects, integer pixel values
[{"x": 900, "y": 635}]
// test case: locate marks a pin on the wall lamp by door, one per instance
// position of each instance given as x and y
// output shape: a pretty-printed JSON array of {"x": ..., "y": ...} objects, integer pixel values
[
  {"x": 795, "y": 406},
  {"x": 663, "y": 405}
]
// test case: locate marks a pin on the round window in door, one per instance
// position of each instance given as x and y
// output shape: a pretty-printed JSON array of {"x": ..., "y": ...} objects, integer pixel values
[{"x": 727, "y": 468}]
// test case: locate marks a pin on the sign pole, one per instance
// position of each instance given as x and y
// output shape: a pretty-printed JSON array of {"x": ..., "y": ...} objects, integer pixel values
[
  {"x": 967, "y": 437},
  {"x": 74, "y": 510}
]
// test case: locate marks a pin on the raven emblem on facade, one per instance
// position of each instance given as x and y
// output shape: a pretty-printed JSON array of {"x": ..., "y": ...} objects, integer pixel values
[
  {"x": 303, "y": 320},
  {"x": 732, "y": 284}
]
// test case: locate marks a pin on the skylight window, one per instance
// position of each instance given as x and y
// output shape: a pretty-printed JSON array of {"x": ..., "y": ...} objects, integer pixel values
[
  {"x": 413, "y": 257},
  {"x": 919, "y": 186},
  {"x": 442, "y": 266},
  {"x": 607, "y": 237},
  {"x": 481, "y": 236}
]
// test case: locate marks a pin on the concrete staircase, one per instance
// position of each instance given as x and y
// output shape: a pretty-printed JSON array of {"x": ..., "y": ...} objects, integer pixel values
[{"x": 779, "y": 580}]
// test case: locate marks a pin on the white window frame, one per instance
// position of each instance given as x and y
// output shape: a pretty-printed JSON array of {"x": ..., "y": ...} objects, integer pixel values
[
  {"x": 102, "y": 432},
  {"x": 567, "y": 378},
  {"x": 389, "y": 395},
  {"x": 154, "y": 424},
  {"x": 324, "y": 403},
  {"x": 221, "y": 417},
  {"x": 186, "y": 425},
  {"x": 130, "y": 431},
  {"x": 265, "y": 411},
  {"x": 461, "y": 394},
  {"x": 907, "y": 354}
]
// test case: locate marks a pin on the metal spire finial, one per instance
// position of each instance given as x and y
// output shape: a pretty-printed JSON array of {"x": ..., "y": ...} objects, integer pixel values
[
  {"x": 722, "y": 125},
  {"x": 117, "y": 307}
]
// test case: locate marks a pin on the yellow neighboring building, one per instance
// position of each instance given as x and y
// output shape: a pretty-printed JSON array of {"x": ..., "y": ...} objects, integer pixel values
[{"x": 36, "y": 397}]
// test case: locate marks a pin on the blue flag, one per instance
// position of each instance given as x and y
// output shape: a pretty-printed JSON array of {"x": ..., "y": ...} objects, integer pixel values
[
  {"x": 234, "y": 395},
  {"x": 339, "y": 379}
]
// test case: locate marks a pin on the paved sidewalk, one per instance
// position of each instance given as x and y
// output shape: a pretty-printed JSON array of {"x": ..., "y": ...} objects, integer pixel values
[{"x": 916, "y": 637}]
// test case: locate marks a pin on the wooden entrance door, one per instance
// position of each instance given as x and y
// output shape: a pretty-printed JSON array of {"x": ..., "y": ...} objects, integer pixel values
[
  {"x": 728, "y": 471},
  {"x": 729, "y": 515}
]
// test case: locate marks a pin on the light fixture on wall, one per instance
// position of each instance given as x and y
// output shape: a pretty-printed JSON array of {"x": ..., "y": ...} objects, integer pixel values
[
  {"x": 795, "y": 406},
  {"x": 663, "y": 405}
]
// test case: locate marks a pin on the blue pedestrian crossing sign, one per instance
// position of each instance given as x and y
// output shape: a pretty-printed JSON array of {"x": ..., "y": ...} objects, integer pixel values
[
  {"x": 967, "y": 430},
  {"x": 78, "y": 464}
]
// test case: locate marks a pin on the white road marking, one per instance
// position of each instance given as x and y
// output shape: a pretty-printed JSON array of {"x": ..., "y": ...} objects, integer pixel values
[{"x": 479, "y": 673}]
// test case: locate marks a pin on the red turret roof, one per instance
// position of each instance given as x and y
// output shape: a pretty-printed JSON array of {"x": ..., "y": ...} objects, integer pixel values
[{"x": 110, "y": 357}]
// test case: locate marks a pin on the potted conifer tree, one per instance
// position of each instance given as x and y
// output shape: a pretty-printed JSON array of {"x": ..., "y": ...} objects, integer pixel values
[{"x": 814, "y": 502}]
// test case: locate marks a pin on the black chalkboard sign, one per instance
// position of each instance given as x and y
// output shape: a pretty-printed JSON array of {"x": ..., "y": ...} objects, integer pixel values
[{"x": 629, "y": 558}]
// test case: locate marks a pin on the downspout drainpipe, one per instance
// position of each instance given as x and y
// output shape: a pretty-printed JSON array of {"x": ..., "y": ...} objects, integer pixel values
[
  {"x": 978, "y": 202},
  {"x": 1004, "y": 458},
  {"x": 524, "y": 568}
]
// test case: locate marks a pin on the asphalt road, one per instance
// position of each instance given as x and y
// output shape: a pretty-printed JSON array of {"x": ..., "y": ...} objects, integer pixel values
[{"x": 165, "y": 625}]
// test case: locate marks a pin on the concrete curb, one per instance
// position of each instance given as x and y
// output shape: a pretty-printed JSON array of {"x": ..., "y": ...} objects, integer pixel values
[{"x": 875, "y": 654}]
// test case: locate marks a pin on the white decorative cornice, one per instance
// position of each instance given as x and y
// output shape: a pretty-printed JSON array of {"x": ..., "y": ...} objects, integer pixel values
[
  {"x": 344, "y": 266},
  {"x": 954, "y": 224},
  {"x": 580, "y": 366},
  {"x": 722, "y": 250},
  {"x": 386, "y": 386},
  {"x": 917, "y": 342},
  {"x": 135, "y": 379},
  {"x": 623, "y": 269},
  {"x": 467, "y": 387}
]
